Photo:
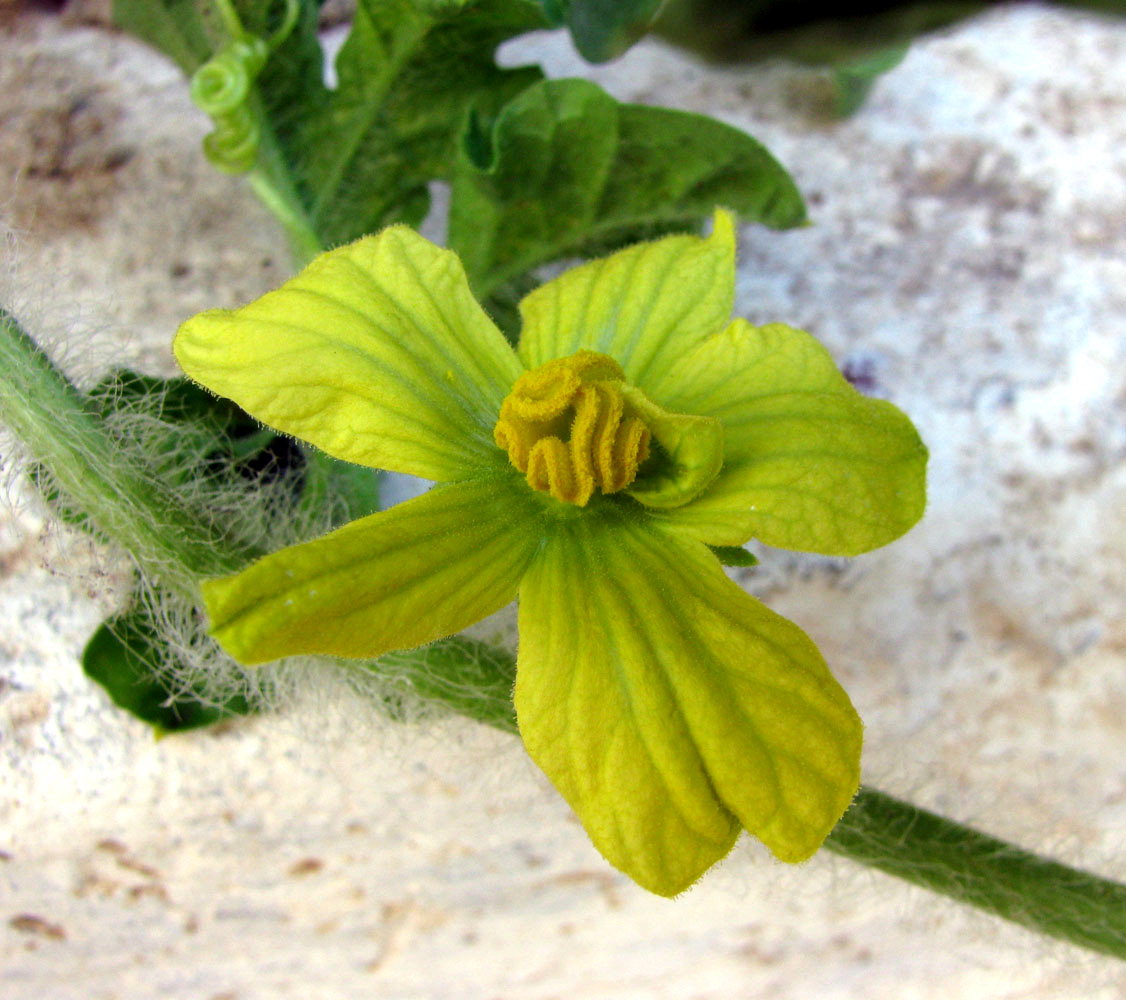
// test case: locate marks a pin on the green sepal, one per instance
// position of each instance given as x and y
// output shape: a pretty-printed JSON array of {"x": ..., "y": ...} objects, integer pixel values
[
  {"x": 462, "y": 675},
  {"x": 128, "y": 657},
  {"x": 734, "y": 555},
  {"x": 565, "y": 170}
]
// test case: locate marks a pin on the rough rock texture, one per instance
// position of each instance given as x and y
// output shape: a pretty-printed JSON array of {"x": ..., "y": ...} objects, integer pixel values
[{"x": 967, "y": 262}]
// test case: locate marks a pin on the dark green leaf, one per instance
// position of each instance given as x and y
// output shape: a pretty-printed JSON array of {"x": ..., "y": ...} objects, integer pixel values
[
  {"x": 733, "y": 555},
  {"x": 182, "y": 434},
  {"x": 360, "y": 156},
  {"x": 294, "y": 74},
  {"x": 344, "y": 490},
  {"x": 815, "y": 32},
  {"x": 604, "y": 29},
  {"x": 571, "y": 172},
  {"x": 853, "y": 81},
  {"x": 364, "y": 153},
  {"x": 174, "y": 27},
  {"x": 180, "y": 420},
  {"x": 127, "y": 657}
]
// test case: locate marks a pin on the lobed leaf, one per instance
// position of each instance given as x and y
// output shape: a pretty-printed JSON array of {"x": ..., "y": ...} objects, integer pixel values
[
  {"x": 364, "y": 153},
  {"x": 565, "y": 170}
]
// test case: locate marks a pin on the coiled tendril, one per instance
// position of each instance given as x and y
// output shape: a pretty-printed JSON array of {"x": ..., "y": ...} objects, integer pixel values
[{"x": 222, "y": 88}]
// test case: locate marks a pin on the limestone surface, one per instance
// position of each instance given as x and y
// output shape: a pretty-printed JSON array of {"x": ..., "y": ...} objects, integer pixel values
[{"x": 967, "y": 261}]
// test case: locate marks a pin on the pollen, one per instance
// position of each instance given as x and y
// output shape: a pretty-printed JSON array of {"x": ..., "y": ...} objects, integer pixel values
[{"x": 570, "y": 429}]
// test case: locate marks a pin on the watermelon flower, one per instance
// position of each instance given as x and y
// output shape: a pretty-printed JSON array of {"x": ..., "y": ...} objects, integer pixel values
[{"x": 594, "y": 472}]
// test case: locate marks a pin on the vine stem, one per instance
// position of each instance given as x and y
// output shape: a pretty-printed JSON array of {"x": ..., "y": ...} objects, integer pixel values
[
  {"x": 60, "y": 430},
  {"x": 972, "y": 867}
]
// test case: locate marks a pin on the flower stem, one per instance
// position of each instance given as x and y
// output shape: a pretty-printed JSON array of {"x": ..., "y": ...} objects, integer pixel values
[
  {"x": 135, "y": 510},
  {"x": 972, "y": 867}
]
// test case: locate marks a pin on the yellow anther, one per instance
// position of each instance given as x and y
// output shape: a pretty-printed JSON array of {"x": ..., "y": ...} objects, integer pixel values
[{"x": 568, "y": 427}]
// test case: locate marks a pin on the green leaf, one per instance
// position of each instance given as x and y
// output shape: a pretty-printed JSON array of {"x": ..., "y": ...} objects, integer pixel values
[
  {"x": 364, "y": 153},
  {"x": 294, "y": 74},
  {"x": 349, "y": 491},
  {"x": 818, "y": 33},
  {"x": 565, "y": 170},
  {"x": 853, "y": 81},
  {"x": 127, "y": 656},
  {"x": 602, "y": 29},
  {"x": 174, "y": 27},
  {"x": 360, "y": 156},
  {"x": 733, "y": 555}
]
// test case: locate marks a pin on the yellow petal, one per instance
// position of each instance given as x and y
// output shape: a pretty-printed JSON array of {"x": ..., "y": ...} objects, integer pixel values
[
  {"x": 645, "y": 306},
  {"x": 394, "y": 580},
  {"x": 809, "y": 463},
  {"x": 669, "y": 707},
  {"x": 376, "y": 352}
]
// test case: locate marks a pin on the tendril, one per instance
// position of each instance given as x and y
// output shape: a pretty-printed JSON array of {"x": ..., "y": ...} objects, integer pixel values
[{"x": 223, "y": 88}]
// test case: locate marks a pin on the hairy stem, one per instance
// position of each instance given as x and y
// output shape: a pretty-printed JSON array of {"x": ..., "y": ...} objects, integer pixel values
[
  {"x": 938, "y": 854},
  {"x": 59, "y": 429}
]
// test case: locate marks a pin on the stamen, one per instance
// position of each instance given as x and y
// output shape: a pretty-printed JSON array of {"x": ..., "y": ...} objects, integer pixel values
[
  {"x": 568, "y": 427},
  {"x": 575, "y": 425}
]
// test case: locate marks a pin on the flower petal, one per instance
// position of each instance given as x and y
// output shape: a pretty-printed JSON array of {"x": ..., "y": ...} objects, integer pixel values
[
  {"x": 397, "y": 579},
  {"x": 668, "y": 706},
  {"x": 809, "y": 463},
  {"x": 645, "y": 306},
  {"x": 376, "y": 353}
]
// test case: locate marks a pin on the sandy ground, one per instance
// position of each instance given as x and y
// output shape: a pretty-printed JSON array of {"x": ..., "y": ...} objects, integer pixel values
[{"x": 967, "y": 261}]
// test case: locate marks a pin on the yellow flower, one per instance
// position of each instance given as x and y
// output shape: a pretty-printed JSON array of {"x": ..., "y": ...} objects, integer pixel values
[{"x": 588, "y": 472}]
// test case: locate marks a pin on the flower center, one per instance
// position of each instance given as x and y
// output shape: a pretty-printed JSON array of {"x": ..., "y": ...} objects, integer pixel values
[
  {"x": 567, "y": 426},
  {"x": 574, "y": 424}
]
